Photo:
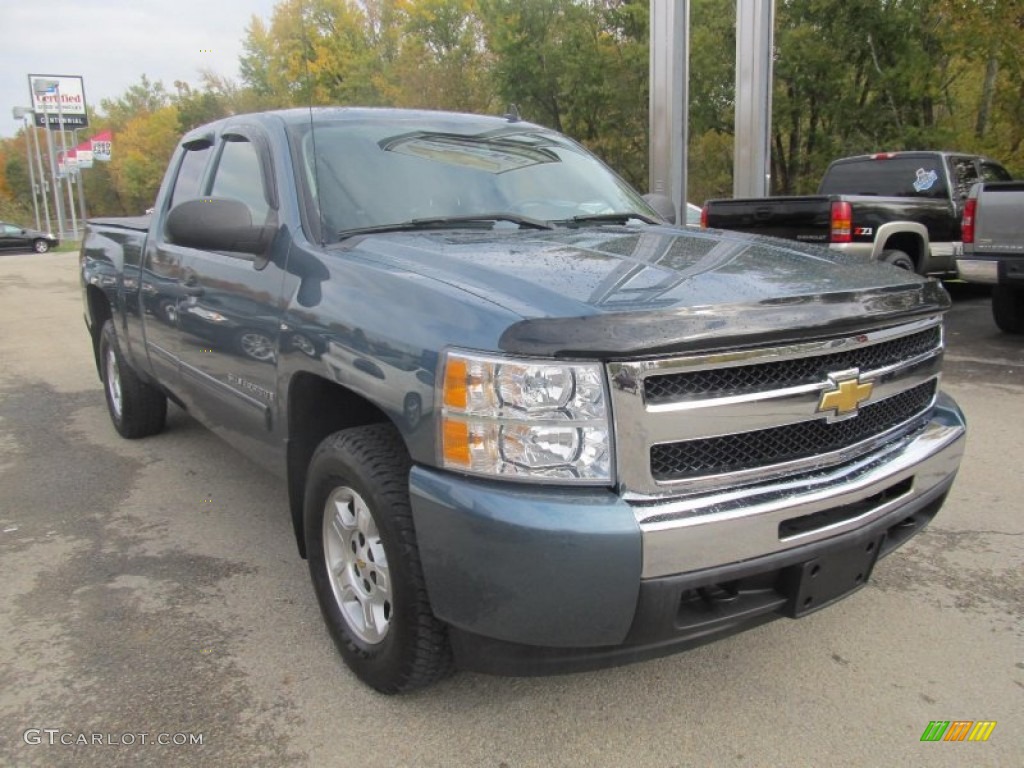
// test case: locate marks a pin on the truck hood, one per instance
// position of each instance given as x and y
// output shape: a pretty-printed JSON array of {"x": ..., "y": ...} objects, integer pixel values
[{"x": 622, "y": 291}]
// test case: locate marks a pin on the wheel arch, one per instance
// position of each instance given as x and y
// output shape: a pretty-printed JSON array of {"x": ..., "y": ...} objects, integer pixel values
[
  {"x": 318, "y": 407},
  {"x": 907, "y": 236},
  {"x": 100, "y": 310}
]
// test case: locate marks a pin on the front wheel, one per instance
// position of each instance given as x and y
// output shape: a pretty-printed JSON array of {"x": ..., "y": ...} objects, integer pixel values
[
  {"x": 365, "y": 564},
  {"x": 256, "y": 345},
  {"x": 897, "y": 259},
  {"x": 40, "y": 246},
  {"x": 137, "y": 408}
]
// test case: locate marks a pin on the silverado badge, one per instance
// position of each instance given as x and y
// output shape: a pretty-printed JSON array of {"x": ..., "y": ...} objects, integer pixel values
[{"x": 845, "y": 396}]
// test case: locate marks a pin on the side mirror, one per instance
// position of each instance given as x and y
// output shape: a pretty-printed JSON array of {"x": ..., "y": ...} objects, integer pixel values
[
  {"x": 217, "y": 224},
  {"x": 662, "y": 205}
]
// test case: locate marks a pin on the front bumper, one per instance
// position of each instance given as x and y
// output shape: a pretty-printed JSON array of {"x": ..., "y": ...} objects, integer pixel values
[{"x": 534, "y": 580}]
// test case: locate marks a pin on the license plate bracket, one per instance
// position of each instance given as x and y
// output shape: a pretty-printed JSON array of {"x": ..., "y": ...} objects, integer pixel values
[{"x": 821, "y": 581}]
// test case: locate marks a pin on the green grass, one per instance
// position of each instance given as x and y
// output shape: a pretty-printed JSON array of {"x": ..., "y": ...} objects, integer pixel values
[{"x": 67, "y": 246}]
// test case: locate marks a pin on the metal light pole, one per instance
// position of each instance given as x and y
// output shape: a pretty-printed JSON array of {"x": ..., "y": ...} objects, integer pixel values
[
  {"x": 43, "y": 186},
  {"x": 755, "y": 21},
  {"x": 41, "y": 87},
  {"x": 81, "y": 182},
  {"x": 67, "y": 165},
  {"x": 22, "y": 114},
  {"x": 669, "y": 101}
]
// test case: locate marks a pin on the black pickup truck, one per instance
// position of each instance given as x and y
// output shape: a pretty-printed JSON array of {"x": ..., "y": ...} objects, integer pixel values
[
  {"x": 902, "y": 208},
  {"x": 525, "y": 427}
]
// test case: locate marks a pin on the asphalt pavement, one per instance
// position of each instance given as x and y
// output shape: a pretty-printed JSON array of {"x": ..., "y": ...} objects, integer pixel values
[{"x": 153, "y": 609}]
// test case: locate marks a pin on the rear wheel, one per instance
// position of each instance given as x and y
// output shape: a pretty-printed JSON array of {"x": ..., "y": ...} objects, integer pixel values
[
  {"x": 41, "y": 246},
  {"x": 897, "y": 259},
  {"x": 364, "y": 562},
  {"x": 137, "y": 409},
  {"x": 1008, "y": 308}
]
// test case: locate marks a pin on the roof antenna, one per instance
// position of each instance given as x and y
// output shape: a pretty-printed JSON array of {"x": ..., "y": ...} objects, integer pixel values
[{"x": 512, "y": 115}]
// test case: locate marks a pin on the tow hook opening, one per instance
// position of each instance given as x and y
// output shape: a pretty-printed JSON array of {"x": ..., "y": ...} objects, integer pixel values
[{"x": 799, "y": 526}]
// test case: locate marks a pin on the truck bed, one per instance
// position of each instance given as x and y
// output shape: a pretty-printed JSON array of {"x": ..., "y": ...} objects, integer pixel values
[{"x": 794, "y": 218}]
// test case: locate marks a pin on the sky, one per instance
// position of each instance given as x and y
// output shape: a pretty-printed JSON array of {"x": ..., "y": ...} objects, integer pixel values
[{"x": 112, "y": 43}]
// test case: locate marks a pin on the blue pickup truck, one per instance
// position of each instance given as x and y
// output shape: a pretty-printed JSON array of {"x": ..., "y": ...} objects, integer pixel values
[{"x": 526, "y": 426}]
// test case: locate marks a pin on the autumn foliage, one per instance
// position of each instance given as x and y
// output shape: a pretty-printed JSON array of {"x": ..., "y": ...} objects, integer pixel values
[{"x": 852, "y": 76}]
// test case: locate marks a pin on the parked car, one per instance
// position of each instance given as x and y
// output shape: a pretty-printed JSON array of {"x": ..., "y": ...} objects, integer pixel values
[{"x": 13, "y": 237}]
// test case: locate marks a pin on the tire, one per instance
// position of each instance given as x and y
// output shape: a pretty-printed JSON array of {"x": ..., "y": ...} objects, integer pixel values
[
  {"x": 40, "y": 246},
  {"x": 137, "y": 409},
  {"x": 373, "y": 597},
  {"x": 255, "y": 345},
  {"x": 1008, "y": 308},
  {"x": 897, "y": 259}
]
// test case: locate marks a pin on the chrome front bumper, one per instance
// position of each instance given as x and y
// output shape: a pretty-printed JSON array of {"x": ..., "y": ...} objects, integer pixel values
[{"x": 730, "y": 526}]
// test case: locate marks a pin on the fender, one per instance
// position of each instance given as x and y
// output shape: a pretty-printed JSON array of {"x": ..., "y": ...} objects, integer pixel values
[
  {"x": 108, "y": 269},
  {"x": 892, "y": 228}
]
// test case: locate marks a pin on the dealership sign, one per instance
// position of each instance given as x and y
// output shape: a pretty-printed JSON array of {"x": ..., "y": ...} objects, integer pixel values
[
  {"x": 102, "y": 146},
  {"x": 57, "y": 100}
]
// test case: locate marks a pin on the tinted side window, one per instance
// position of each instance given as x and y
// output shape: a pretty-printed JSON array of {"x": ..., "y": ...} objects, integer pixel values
[
  {"x": 963, "y": 174},
  {"x": 993, "y": 172},
  {"x": 239, "y": 176},
  {"x": 190, "y": 175},
  {"x": 887, "y": 177}
]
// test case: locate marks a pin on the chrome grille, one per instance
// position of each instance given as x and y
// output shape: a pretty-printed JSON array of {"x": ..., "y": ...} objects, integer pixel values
[
  {"x": 705, "y": 421},
  {"x": 787, "y": 373},
  {"x": 749, "y": 450}
]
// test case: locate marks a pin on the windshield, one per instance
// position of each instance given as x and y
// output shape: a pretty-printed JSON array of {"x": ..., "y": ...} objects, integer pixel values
[{"x": 379, "y": 174}]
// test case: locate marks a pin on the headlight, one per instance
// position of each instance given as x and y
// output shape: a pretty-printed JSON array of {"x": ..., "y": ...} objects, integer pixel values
[{"x": 532, "y": 419}]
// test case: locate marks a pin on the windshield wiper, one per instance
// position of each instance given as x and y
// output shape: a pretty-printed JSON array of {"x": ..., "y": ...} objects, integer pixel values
[
  {"x": 611, "y": 218},
  {"x": 442, "y": 222}
]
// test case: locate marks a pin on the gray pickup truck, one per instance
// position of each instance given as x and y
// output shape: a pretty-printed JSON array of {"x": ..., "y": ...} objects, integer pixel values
[
  {"x": 525, "y": 426},
  {"x": 993, "y": 228}
]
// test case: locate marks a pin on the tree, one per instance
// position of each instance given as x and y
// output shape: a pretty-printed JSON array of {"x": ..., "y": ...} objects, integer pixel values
[
  {"x": 577, "y": 67},
  {"x": 440, "y": 61},
  {"x": 144, "y": 96},
  {"x": 144, "y": 148}
]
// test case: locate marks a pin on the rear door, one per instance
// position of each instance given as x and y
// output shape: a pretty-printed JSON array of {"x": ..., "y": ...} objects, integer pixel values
[{"x": 164, "y": 291}]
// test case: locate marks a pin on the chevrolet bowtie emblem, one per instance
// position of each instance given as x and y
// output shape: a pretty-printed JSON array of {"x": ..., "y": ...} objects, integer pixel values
[{"x": 845, "y": 396}]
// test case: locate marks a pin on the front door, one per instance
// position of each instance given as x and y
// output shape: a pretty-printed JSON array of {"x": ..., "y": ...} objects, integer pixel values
[{"x": 229, "y": 321}]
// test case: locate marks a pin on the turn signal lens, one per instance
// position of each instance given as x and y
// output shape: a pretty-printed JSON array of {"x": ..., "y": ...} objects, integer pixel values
[
  {"x": 456, "y": 379},
  {"x": 528, "y": 419},
  {"x": 456, "y": 443}
]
